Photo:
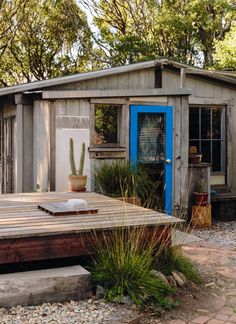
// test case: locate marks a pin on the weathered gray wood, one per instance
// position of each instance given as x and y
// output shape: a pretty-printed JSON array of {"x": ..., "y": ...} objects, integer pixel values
[
  {"x": 175, "y": 102},
  {"x": 84, "y": 107},
  {"x": 103, "y": 83},
  {"x": 92, "y": 124},
  {"x": 60, "y": 107},
  {"x": 52, "y": 175},
  {"x": 143, "y": 79},
  {"x": 72, "y": 122},
  {"x": 41, "y": 138},
  {"x": 118, "y": 101},
  {"x": 151, "y": 78},
  {"x": 149, "y": 100},
  {"x": 73, "y": 107},
  {"x": 114, "y": 93},
  {"x": 182, "y": 78},
  {"x": 27, "y": 148},
  {"x": 61, "y": 209},
  {"x": 134, "y": 80},
  {"x": 19, "y": 149},
  {"x": 123, "y": 81},
  {"x": 184, "y": 149},
  {"x": 209, "y": 101}
]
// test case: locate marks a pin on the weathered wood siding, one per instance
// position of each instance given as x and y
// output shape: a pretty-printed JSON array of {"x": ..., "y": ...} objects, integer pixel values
[
  {"x": 41, "y": 147},
  {"x": 143, "y": 79},
  {"x": 180, "y": 151},
  {"x": 209, "y": 92}
]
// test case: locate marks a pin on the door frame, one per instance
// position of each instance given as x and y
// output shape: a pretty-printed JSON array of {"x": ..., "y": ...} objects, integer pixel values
[{"x": 168, "y": 110}]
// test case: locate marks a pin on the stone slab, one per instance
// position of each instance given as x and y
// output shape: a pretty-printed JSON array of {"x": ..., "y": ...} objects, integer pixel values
[{"x": 40, "y": 286}]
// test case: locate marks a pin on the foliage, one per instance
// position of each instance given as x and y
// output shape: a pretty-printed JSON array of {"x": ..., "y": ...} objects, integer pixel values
[
  {"x": 106, "y": 123},
  {"x": 225, "y": 54},
  {"x": 51, "y": 38},
  {"x": 169, "y": 259},
  {"x": 122, "y": 265},
  {"x": 120, "y": 179},
  {"x": 137, "y": 30}
]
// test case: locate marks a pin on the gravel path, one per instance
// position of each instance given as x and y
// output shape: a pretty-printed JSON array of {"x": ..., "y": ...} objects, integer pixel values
[
  {"x": 222, "y": 234},
  {"x": 73, "y": 312}
]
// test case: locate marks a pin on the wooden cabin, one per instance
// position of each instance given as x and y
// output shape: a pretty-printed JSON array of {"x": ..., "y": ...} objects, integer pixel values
[{"x": 157, "y": 109}]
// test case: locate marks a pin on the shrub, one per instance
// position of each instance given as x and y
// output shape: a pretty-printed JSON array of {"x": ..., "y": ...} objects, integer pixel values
[{"x": 122, "y": 264}]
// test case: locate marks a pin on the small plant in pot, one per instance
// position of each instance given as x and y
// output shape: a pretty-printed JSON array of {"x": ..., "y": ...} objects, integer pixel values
[
  {"x": 77, "y": 181},
  {"x": 201, "y": 195}
]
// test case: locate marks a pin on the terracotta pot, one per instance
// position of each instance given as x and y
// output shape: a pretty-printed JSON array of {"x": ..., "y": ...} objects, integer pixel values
[
  {"x": 77, "y": 182},
  {"x": 201, "y": 198},
  {"x": 195, "y": 158}
]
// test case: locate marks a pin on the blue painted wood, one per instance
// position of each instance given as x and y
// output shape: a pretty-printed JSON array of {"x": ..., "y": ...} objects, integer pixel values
[{"x": 168, "y": 111}]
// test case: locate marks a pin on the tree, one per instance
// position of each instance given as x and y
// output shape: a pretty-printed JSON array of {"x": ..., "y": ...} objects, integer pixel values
[
  {"x": 225, "y": 54},
  {"x": 52, "y": 39},
  {"x": 183, "y": 30}
]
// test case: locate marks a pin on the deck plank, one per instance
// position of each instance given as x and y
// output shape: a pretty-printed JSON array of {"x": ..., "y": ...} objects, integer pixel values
[{"x": 20, "y": 216}]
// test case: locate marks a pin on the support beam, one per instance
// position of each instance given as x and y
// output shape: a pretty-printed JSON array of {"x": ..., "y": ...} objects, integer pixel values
[
  {"x": 68, "y": 94},
  {"x": 24, "y": 144}
]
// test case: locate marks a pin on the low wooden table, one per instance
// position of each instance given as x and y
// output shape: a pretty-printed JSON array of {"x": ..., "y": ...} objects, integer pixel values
[{"x": 28, "y": 233}]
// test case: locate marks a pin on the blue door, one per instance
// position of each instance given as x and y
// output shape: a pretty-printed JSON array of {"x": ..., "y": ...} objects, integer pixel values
[{"x": 151, "y": 136}]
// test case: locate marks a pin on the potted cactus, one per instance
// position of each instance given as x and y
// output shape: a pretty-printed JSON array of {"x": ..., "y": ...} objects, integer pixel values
[
  {"x": 77, "y": 181},
  {"x": 201, "y": 195}
]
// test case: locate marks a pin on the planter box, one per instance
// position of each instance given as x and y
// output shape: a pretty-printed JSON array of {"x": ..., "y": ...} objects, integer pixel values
[{"x": 201, "y": 216}]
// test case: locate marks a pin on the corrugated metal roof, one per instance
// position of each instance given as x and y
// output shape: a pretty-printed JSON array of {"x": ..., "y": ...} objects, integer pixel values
[{"x": 38, "y": 85}]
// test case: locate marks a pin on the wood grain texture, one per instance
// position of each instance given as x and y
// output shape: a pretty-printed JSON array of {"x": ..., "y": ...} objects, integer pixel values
[{"x": 27, "y": 233}]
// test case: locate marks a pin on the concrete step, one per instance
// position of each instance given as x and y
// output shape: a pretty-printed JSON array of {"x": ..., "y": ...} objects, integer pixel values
[{"x": 42, "y": 286}]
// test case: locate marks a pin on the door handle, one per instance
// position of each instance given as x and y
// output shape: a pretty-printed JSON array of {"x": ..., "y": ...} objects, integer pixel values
[{"x": 168, "y": 161}]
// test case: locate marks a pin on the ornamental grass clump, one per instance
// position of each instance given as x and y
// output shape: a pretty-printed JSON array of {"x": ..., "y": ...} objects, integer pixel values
[
  {"x": 170, "y": 259},
  {"x": 120, "y": 179},
  {"x": 122, "y": 265}
]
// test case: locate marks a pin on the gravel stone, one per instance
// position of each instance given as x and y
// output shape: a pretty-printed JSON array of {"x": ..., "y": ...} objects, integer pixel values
[{"x": 221, "y": 233}]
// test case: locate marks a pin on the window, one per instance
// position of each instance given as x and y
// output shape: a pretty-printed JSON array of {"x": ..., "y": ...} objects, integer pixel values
[
  {"x": 207, "y": 133},
  {"x": 107, "y": 122}
]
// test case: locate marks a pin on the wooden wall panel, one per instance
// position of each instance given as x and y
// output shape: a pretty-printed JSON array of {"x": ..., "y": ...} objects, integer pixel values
[
  {"x": 41, "y": 139},
  {"x": 180, "y": 155}
]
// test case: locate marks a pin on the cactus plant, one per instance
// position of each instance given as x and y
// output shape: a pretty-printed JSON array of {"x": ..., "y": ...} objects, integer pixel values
[
  {"x": 77, "y": 181},
  {"x": 81, "y": 163},
  {"x": 72, "y": 159}
]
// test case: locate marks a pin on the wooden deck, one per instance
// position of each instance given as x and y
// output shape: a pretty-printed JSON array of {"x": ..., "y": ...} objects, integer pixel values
[{"x": 28, "y": 233}]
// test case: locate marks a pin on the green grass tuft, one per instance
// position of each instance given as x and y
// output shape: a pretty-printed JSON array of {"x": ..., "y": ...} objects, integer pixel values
[
  {"x": 170, "y": 260},
  {"x": 122, "y": 266}
]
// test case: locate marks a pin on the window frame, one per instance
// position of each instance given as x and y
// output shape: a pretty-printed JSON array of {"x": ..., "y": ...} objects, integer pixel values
[
  {"x": 222, "y": 139},
  {"x": 122, "y": 123}
]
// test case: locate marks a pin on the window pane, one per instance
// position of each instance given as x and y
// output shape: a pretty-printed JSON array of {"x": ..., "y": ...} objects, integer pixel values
[
  {"x": 216, "y": 122},
  {"x": 216, "y": 157},
  {"x": 206, "y": 151},
  {"x": 205, "y": 123},
  {"x": 106, "y": 124},
  {"x": 194, "y": 123},
  {"x": 151, "y": 137}
]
